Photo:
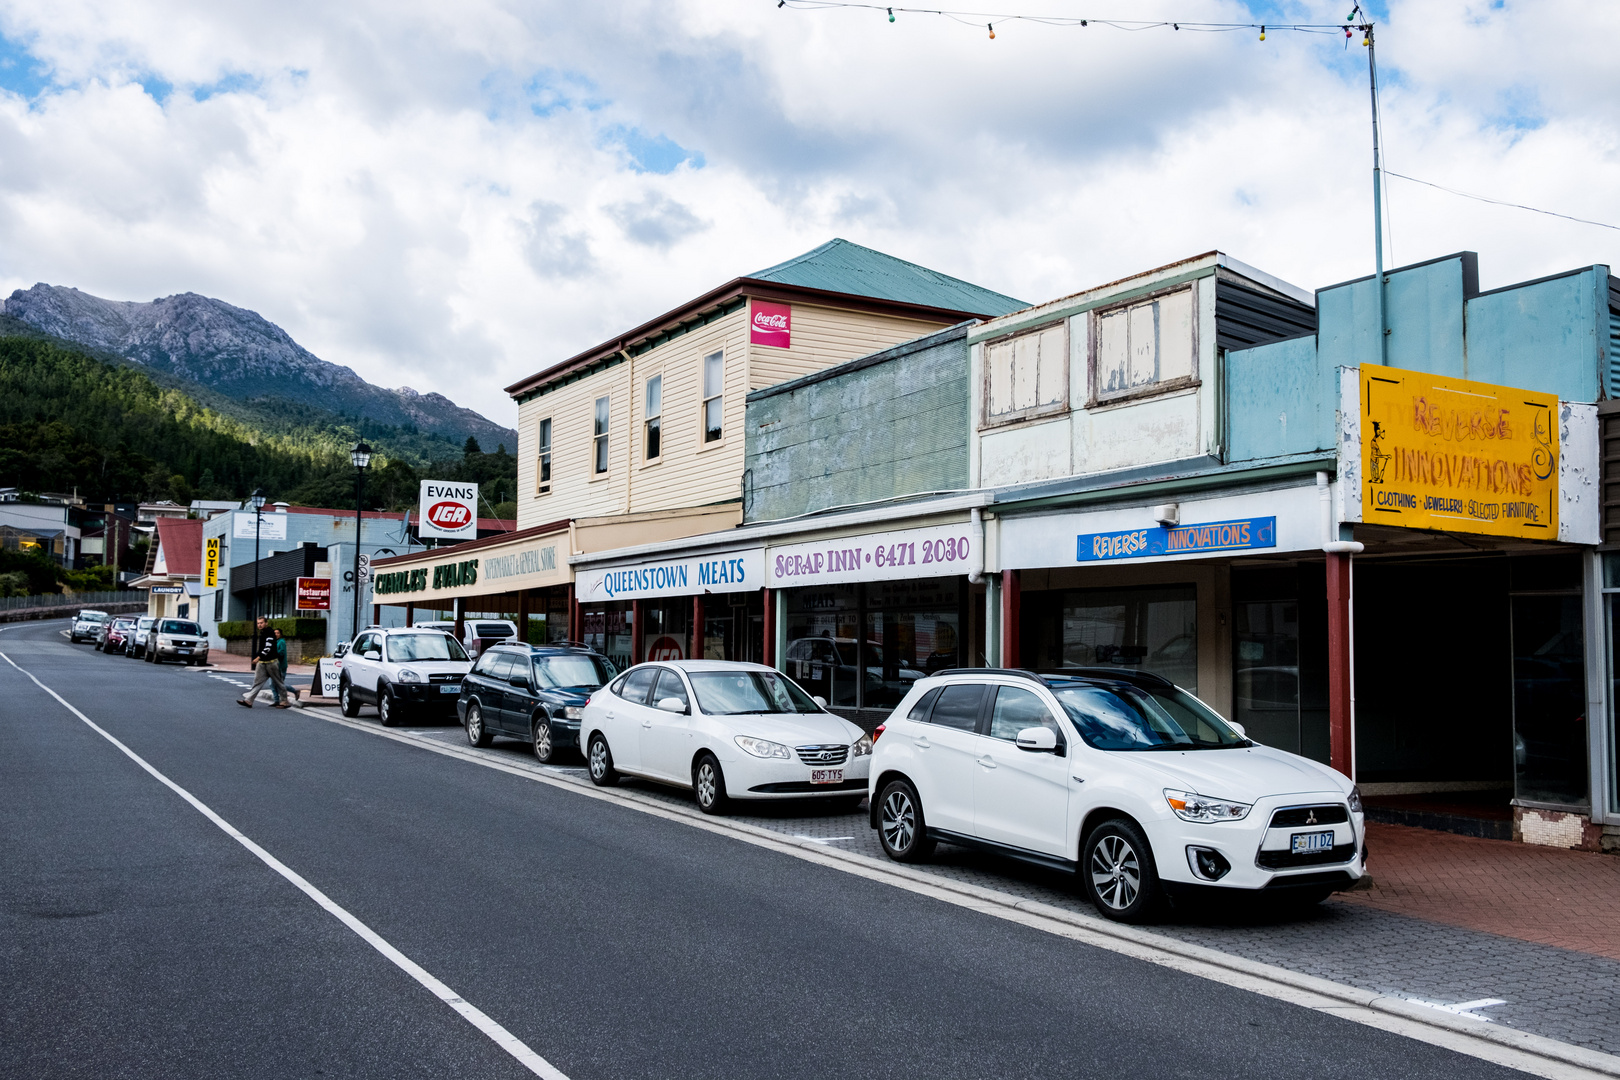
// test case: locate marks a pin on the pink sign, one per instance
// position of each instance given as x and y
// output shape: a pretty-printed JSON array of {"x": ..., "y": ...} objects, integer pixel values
[{"x": 771, "y": 324}]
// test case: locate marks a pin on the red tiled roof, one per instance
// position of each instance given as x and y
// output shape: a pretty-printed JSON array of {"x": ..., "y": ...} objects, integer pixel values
[{"x": 180, "y": 540}]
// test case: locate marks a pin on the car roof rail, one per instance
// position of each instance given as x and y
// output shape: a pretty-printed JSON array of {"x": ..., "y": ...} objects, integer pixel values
[
  {"x": 1021, "y": 673},
  {"x": 1116, "y": 674}
]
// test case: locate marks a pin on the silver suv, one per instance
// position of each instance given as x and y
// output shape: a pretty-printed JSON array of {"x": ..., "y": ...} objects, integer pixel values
[{"x": 86, "y": 624}]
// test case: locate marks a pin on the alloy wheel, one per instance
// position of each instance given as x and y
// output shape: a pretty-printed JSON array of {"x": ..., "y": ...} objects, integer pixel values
[
  {"x": 899, "y": 821},
  {"x": 1116, "y": 873},
  {"x": 598, "y": 759},
  {"x": 705, "y": 785},
  {"x": 542, "y": 740},
  {"x": 475, "y": 724}
]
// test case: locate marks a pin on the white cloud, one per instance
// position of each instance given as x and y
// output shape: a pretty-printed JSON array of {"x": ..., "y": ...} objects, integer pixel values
[{"x": 452, "y": 197}]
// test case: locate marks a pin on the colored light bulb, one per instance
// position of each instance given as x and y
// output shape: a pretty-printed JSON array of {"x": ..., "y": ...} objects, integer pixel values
[
  {"x": 1262, "y": 33},
  {"x": 992, "y": 29},
  {"x": 891, "y": 14}
]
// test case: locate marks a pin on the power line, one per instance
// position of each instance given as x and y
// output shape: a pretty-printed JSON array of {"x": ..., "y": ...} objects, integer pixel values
[
  {"x": 1500, "y": 202},
  {"x": 990, "y": 18}
]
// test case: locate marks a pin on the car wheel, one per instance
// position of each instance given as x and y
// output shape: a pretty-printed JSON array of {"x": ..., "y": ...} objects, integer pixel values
[
  {"x": 544, "y": 752},
  {"x": 709, "y": 785},
  {"x": 389, "y": 711},
  {"x": 599, "y": 763},
  {"x": 346, "y": 700},
  {"x": 902, "y": 829},
  {"x": 1118, "y": 872},
  {"x": 477, "y": 733}
]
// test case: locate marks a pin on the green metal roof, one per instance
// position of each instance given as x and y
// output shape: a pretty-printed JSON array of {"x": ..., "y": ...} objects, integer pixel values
[{"x": 840, "y": 266}]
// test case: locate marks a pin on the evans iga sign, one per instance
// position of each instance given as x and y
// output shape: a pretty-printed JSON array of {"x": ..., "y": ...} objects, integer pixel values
[
  {"x": 448, "y": 511},
  {"x": 727, "y": 572},
  {"x": 770, "y": 324},
  {"x": 887, "y": 556}
]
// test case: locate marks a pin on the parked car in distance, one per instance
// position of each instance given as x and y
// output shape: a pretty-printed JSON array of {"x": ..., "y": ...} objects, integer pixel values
[
  {"x": 478, "y": 634},
  {"x": 135, "y": 640},
  {"x": 727, "y": 731},
  {"x": 1121, "y": 776},
  {"x": 111, "y": 637},
  {"x": 532, "y": 692},
  {"x": 85, "y": 624},
  {"x": 402, "y": 670},
  {"x": 177, "y": 639}
]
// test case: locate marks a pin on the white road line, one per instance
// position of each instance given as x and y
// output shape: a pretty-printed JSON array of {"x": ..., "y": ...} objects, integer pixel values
[
  {"x": 471, "y": 1013},
  {"x": 1462, "y": 1008},
  {"x": 1464, "y": 1033}
]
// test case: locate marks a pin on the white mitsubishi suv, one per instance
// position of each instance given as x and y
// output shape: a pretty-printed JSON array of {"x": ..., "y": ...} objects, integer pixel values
[{"x": 1121, "y": 776}]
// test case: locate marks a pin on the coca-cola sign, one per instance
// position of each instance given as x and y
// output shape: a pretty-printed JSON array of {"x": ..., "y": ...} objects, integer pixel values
[
  {"x": 448, "y": 511},
  {"x": 770, "y": 324}
]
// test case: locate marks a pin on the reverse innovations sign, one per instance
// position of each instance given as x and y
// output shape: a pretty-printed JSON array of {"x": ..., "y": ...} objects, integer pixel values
[
  {"x": 727, "y": 572},
  {"x": 448, "y": 511},
  {"x": 1213, "y": 536}
]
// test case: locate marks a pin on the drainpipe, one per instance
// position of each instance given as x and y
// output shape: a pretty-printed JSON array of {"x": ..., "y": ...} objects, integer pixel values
[
  {"x": 1341, "y": 682},
  {"x": 976, "y": 563}
]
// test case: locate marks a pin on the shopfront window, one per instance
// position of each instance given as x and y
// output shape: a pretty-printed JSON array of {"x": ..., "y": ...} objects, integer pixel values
[
  {"x": 1549, "y": 682},
  {"x": 1154, "y": 628},
  {"x": 666, "y": 628},
  {"x": 864, "y": 646},
  {"x": 607, "y": 630}
]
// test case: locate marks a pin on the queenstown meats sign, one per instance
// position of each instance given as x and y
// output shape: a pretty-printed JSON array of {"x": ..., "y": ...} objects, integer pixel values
[{"x": 448, "y": 511}]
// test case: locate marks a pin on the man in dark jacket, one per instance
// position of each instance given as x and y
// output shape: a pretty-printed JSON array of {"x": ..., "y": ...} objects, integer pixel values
[{"x": 266, "y": 667}]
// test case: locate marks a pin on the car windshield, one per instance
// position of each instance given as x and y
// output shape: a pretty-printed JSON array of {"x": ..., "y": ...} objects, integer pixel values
[
  {"x": 733, "y": 693},
  {"x": 1127, "y": 717},
  {"x": 92, "y": 616},
  {"x": 424, "y": 647},
  {"x": 176, "y": 626},
  {"x": 584, "y": 671}
]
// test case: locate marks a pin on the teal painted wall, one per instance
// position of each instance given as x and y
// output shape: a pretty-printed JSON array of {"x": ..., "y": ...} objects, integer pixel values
[
  {"x": 891, "y": 424},
  {"x": 1548, "y": 335},
  {"x": 1282, "y": 399}
]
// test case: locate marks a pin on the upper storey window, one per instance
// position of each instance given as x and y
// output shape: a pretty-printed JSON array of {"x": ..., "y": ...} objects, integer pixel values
[
  {"x": 1147, "y": 346},
  {"x": 1027, "y": 374}
]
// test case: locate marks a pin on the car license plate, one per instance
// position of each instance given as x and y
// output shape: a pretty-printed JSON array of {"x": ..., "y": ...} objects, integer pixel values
[
  {"x": 826, "y": 776},
  {"x": 449, "y": 688},
  {"x": 1309, "y": 843},
  {"x": 183, "y": 652}
]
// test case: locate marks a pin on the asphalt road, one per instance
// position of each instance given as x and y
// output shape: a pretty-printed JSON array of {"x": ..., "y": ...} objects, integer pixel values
[{"x": 138, "y": 939}]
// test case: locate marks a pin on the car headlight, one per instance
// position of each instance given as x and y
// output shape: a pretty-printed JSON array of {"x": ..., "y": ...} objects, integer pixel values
[
  {"x": 1191, "y": 807},
  {"x": 407, "y": 675},
  {"x": 764, "y": 748},
  {"x": 862, "y": 747},
  {"x": 573, "y": 712},
  {"x": 1355, "y": 800}
]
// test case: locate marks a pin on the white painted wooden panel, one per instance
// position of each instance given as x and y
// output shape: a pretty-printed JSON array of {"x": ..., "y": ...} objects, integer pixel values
[{"x": 1026, "y": 452}]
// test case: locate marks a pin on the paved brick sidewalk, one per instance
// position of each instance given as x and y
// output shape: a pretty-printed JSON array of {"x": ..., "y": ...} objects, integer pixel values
[{"x": 1570, "y": 899}]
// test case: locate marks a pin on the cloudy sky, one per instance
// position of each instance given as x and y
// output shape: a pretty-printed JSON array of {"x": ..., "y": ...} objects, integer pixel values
[{"x": 452, "y": 196}]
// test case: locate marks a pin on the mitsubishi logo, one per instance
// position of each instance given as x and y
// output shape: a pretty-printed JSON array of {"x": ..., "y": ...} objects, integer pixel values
[{"x": 1311, "y": 818}]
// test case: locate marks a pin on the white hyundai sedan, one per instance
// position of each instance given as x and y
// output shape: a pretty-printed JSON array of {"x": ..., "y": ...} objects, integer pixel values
[
  {"x": 1133, "y": 783},
  {"x": 727, "y": 731}
]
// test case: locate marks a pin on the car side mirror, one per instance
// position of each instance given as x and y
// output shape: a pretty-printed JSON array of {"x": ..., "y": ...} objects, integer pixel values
[
  {"x": 819, "y": 700},
  {"x": 519, "y": 681},
  {"x": 1237, "y": 727},
  {"x": 1037, "y": 740},
  {"x": 672, "y": 705}
]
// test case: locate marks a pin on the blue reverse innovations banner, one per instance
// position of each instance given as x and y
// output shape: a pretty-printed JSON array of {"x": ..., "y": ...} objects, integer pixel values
[{"x": 1181, "y": 540}]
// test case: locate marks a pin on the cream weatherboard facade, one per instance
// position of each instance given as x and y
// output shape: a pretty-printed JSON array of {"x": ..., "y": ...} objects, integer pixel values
[{"x": 679, "y": 466}]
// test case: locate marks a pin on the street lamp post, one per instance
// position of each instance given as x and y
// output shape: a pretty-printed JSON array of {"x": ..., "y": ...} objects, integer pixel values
[
  {"x": 257, "y": 502},
  {"x": 361, "y": 456}
]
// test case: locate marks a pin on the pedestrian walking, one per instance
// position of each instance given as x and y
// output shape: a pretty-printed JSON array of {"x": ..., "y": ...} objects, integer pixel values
[
  {"x": 281, "y": 663},
  {"x": 265, "y": 669}
]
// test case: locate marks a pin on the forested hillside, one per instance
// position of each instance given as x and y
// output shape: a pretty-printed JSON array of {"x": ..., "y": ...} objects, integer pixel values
[{"x": 70, "y": 420}]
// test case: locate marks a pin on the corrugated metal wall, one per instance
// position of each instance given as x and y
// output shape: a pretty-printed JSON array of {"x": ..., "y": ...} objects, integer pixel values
[
  {"x": 1614, "y": 338},
  {"x": 894, "y": 423}
]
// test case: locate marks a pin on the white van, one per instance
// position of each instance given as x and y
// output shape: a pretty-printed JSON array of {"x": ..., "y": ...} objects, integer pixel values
[{"x": 479, "y": 634}]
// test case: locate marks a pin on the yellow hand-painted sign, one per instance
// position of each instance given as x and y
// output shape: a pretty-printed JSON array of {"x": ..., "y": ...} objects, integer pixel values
[
  {"x": 1439, "y": 453},
  {"x": 211, "y": 564}
]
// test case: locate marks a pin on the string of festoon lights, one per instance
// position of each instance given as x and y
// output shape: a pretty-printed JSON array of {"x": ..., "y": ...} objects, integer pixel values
[
  {"x": 989, "y": 19},
  {"x": 1356, "y": 21}
]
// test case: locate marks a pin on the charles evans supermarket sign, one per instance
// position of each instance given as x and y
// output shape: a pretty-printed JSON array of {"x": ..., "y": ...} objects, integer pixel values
[{"x": 729, "y": 571}]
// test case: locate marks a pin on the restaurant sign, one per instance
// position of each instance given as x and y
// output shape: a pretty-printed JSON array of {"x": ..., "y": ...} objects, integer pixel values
[
  {"x": 1440, "y": 453},
  {"x": 1210, "y": 537},
  {"x": 314, "y": 594}
]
